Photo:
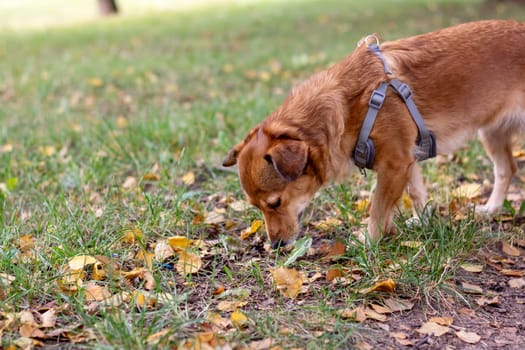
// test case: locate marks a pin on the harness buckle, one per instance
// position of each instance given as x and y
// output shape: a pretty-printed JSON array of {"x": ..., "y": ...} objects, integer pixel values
[
  {"x": 376, "y": 99},
  {"x": 404, "y": 91}
]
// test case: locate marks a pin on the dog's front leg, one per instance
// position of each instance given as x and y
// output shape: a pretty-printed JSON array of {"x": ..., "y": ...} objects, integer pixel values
[
  {"x": 392, "y": 179},
  {"x": 416, "y": 189}
]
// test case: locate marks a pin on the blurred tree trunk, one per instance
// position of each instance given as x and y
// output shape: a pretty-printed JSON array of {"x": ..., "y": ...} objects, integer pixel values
[{"x": 107, "y": 7}]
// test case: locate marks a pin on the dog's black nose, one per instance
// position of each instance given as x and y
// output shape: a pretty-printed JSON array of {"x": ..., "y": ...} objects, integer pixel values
[{"x": 278, "y": 244}]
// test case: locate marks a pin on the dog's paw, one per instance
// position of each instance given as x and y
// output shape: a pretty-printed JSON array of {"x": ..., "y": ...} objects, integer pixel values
[
  {"x": 413, "y": 222},
  {"x": 486, "y": 209}
]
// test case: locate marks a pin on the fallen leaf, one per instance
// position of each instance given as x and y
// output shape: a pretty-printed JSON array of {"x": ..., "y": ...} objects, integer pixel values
[
  {"x": 129, "y": 183},
  {"x": 163, "y": 251},
  {"x": 239, "y": 319},
  {"x": 472, "y": 267},
  {"x": 30, "y": 331},
  {"x": 468, "y": 190},
  {"x": 131, "y": 235},
  {"x": 337, "y": 250},
  {"x": 387, "y": 286},
  {"x": 512, "y": 273},
  {"x": 412, "y": 244},
  {"x": 431, "y": 328},
  {"x": 375, "y": 315},
  {"x": 49, "y": 318},
  {"x": 327, "y": 224},
  {"x": 443, "y": 321},
  {"x": 213, "y": 218},
  {"x": 484, "y": 301},
  {"x": 333, "y": 274},
  {"x": 95, "y": 292},
  {"x": 179, "y": 242},
  {"x": 80, "y": 261},
  {"x": 26, "y": 243},
  {"x": 188, "y": 179},
  {"x": 517, "y": 282},
  {"x": 509, "y": 250},
  {"x": 218, "y": 320},
  {"x": 471, "y": 288},
  {"x": 397, "y": 305},
  {"x": 155, "y": 338},
  {"x": 230, "y": 305},
  {"x": 255, "y": 226},
  {"x": 151, "y": 177},
  {"x": 357, "y": 314},
  {"x": 288, "y": 281},
  {"x": 468, "y": 337},
  {"x": 96, "y": 82},
  {"x": 239, "y": 205},
  {"x": 188, "y": 263}
]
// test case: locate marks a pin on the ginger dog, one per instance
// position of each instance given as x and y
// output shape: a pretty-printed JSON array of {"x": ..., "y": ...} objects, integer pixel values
[{"x": 465, "y": 79}]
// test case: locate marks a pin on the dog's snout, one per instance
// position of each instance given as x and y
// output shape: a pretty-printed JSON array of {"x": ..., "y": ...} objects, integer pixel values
[{"x": 279, "y": 243}]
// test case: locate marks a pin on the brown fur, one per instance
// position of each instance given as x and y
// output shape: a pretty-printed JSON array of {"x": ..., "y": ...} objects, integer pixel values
[{"x": 465, "y": 79}]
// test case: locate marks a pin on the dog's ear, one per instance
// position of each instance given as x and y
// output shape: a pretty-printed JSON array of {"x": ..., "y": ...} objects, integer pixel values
[
  {"x": 289, "y": 158},
  {"x": 231, "y": 157}
]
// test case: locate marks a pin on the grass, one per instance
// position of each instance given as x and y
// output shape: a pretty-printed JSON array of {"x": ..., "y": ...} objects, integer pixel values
[{"x": 87, "y": 108}]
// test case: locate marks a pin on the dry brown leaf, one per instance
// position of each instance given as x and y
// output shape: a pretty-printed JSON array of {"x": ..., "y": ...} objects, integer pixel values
[
  {"x": 188, "y": 263},
  {"x": 129, "y": 183},
  {"x": 288, "y": 281},
  {"x": 49, "y": 318},
  {"x": 468, "y": 337},
  {"x": 443, "y": 321},
  {"x": 99, "y": 273},
  {"x": 240, "y": 205},
  {"x": 230, "y": 305},
  {"x": 402, "y": 338},
  {"x": 156, "y": 338},
  {"x": 517, "y": 282},
  {"x": 512, "y": 273},
  {"x": 509, "y": 250},
  {"x": 137, "y": 272},
  {"x": 472, "y": 267},
  {"x": 387, "y": 286},
  {"x": 357, "y": 314},
  {"x": 471, "y": 288},
  {"x": 337, "y": 249},
  {"x": 219, "y": 321},
  {"x": 248, "y": 232},
  {"x": 333, "y": 274},
  {"x": 80, "y": 261},
  {"x": 239, "y": 319},
  {"x": 31, "y": 331},
  {"x": 95, "y": 292},
  {"x": 150, "y": 282},
  {"x": 397, "y": 305},
  {"x": 380, "y": 309},
  {"x": 375, "y": 315},
  {"x": 484, "y": 301},
  {"x": 214, "y": 218},
  {"x": 431, "y": 328},
  {"x": 163, "y": 251}
]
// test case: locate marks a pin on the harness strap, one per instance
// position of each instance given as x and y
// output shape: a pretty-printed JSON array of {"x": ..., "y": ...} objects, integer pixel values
[
  {"x": 425, "y": 140},
  {"x": 377, "y": 51}
]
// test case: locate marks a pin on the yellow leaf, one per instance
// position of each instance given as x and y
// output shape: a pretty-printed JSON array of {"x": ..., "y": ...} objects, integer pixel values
[
  {"x": 468, "y": 190},
  {"x": 509, "y": 250},
  {"x": 468, "y": 337},
  {"x": 328, "y": 224},
  {"x": 188, "y": 263},
  {"x": 179, "y": 242},
  {"x": 47, "y": 150},
  {"x": 387, "y": 286},
  {"x": 137, "y": 272},
  {"x": 151, "y": 177},
  {"x": 140, "y": 299},
  {"x": 122, "y": 122},
  {"x": 71, "y": 280},
  {"x": 26, "y": 243},
  {"x": 98, "y": 272},
  {"x": 412, "y": 244},
  {"x": 431, "y": 328},
  {"x": 80, "y": 261},
  {"x": 288, "y": 281},
  {"x": 256, "y": 225},
  {"x": 131, "y": 235},
  {"x": 188, "y": 179},
  {"x": 362, "y": 205},
  {"x": 96, "y": 82},
  {"x": 7, "y": 148},
  {"x": 239, "y": 319}
]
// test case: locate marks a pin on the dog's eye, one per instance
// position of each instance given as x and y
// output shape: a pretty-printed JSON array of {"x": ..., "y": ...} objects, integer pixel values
[{"x": 275, "y": 205}]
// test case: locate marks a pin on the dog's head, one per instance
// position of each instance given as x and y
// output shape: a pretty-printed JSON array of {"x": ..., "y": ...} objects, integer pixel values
[{"x": 275, "y": 174}]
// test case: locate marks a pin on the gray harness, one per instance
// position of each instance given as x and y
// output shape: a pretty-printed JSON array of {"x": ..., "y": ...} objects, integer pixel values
[{"x": 364, "y": 151}]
